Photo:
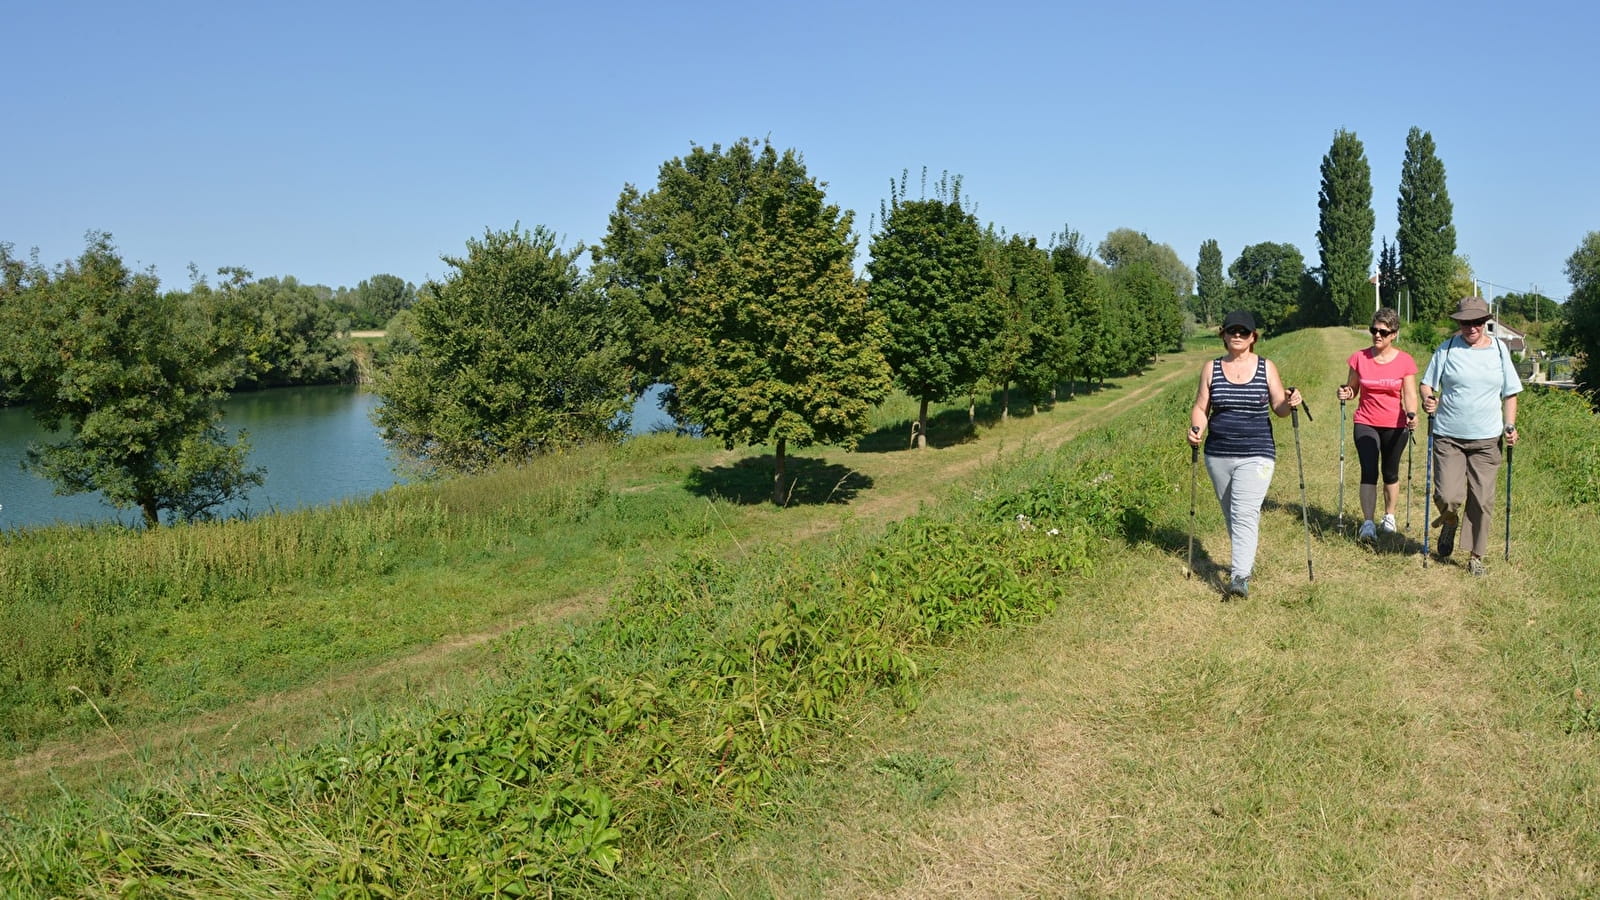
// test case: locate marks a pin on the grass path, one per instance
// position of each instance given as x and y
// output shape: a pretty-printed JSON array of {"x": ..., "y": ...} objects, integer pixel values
[
  {"x": 902, "y": 481},
  {"x": 1355, "y": 735}
]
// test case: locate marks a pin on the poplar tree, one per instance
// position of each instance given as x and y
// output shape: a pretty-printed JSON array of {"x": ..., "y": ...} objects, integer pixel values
[
  {"x": 1345, "y": 226},
  {"x": 1389, "y": 282},
  {"x": 1211, "y": 296},
  {"x": 932, "y": 286},
  {"x": 1427, "y": 235}
]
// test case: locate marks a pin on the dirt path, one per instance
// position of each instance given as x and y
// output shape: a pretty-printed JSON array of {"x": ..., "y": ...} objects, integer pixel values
[{"x": 902, "y": 482}]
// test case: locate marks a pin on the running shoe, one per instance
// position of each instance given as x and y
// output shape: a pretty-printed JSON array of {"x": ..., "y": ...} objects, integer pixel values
[
  {"x": 1387, "y": 526},
  {"x": 1368, "y": 533}
]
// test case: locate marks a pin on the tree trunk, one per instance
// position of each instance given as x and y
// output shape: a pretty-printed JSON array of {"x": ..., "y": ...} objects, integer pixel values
[
  {"x": 152, "y": 512},
  {"x": 1005, "y": 402},
  {"x": 777, "y": 477},
  {"x": 919, "y": 429}
]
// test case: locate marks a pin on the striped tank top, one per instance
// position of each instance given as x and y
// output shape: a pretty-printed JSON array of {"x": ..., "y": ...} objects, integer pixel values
[{"x": 1241, "y": 418}]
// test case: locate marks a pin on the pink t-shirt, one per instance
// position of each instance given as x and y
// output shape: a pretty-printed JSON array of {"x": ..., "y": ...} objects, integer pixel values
[{"x": 1380, "y": 388}]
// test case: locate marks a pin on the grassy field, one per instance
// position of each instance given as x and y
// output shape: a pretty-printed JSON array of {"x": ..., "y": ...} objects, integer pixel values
[{"x": 1112, "y": 728}]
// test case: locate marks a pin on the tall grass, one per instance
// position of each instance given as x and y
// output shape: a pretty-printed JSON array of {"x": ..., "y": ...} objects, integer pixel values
[{"x": 114, "y": 614}]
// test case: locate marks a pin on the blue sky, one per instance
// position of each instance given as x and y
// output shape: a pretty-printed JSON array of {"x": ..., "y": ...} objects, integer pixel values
[{"x": 333, "y": 141}]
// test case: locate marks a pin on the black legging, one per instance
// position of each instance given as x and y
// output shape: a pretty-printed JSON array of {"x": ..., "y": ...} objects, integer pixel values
[{"x": 1374, "y": 442}]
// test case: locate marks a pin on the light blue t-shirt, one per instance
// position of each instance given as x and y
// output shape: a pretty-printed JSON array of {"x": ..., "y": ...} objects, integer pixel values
[{"x": 1470, "y": 382}]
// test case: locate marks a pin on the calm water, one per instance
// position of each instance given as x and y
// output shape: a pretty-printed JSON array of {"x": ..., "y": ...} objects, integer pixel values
[{"x": 318, "y": 445}]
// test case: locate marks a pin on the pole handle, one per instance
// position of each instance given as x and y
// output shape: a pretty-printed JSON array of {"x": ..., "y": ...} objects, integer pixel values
[{"x": 1305, "y": 405}]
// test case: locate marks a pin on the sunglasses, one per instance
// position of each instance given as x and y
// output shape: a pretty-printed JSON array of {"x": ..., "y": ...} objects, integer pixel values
[
  {"x": 1238, "y": 332},
  {"x": 1474, "y": 323},
  {"x": 1379, "y": 332}
]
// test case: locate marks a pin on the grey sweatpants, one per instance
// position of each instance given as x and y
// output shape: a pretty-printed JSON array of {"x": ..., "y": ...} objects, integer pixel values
[{"x": 1241, "y": 484}]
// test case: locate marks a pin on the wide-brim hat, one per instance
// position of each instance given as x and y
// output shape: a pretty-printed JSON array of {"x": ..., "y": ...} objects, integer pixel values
[
  {"x": 1470, "y": 308},
  {"x": 1239, "y": 318}
]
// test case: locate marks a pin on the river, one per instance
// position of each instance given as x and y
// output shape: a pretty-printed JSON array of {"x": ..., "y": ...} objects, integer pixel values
[{"x": 317, "y": 444}]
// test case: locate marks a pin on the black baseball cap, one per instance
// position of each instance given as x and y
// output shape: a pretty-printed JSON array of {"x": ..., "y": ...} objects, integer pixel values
[{"x": 1239, "y": 318}]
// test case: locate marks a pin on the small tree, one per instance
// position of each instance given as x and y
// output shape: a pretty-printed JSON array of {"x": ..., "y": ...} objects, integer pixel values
[
  {"x": 930, "y": 283},
  {"x": 1211, "y": 287},
  {"x": 135, "y": 378},
  {"x": 516, "y": 355}
]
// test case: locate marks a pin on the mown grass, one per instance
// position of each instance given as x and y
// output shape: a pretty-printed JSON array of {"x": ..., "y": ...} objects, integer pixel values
[{"x": 1384, "y": 730}]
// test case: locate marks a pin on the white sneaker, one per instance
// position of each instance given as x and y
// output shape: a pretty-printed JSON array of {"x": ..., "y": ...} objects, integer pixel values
[
  {"x": 1387, "y": 525},
  {"x": 1369, "y": 531}
]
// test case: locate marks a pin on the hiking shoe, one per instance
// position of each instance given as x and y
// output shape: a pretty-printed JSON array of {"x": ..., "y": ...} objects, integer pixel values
[
  {"x": 1239, "y": 586},
  {"x": 1475, "y": 567},
  {"x": 1447, "y": 534},
  {"x": 1368, "y": 533},
  {"x": 1387, "y": 526}
]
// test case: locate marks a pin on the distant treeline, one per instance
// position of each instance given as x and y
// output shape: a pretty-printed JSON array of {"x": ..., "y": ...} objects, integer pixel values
[{"x": 281, "y": 332}]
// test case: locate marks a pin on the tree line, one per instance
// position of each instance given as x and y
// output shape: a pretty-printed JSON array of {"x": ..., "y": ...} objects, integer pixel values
[{"x": 731, "y": 282}]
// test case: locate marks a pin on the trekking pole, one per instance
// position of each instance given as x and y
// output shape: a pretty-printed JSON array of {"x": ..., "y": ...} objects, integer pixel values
[
  {"x": 1340, "y": 521},
  {"x": 1511, "y": 449},
  {"x": 1411, "y": 442},
  {"x": 1194, "y": 470},
  {"x": 1305, "y": 516},
  {"x": 1427, "y": 491}
]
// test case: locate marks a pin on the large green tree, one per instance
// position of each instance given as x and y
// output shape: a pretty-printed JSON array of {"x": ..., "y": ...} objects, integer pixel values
[
  {"x": 755, "y": 316},
  {"x": 1344, "y": 228},
  {"x": 930, "y": 283},
  {"x": 516, "y": 355},
  {"x": 1266, "y": 281},
  {"x": 1579, "y": 331},
  {"x": 135, "y": 378},
  {"x": 1211, "y": 288},
  {"x": 1427, "y": 233}
]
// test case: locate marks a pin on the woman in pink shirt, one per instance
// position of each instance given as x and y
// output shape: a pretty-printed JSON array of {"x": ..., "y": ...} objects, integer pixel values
[{"x": 1385, "y": 378}]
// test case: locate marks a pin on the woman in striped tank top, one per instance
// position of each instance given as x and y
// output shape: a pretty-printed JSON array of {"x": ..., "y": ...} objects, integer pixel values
[{"x": 1236, "y": 391}]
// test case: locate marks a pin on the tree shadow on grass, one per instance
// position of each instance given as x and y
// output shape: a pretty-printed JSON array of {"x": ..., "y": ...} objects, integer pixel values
[
  {"x": 749, "y": 481},
  {"x": 950, "y": 427}
]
